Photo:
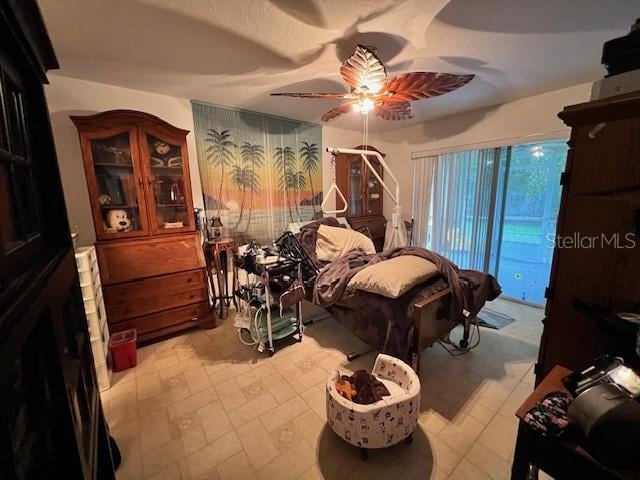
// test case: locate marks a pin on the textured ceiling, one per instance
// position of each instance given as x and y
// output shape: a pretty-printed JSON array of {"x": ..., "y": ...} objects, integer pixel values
[{"x": 234, "y": 52}]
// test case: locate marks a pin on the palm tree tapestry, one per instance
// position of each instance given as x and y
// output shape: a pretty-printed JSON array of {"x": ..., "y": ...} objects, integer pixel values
[{"x": 259, "y": 173}]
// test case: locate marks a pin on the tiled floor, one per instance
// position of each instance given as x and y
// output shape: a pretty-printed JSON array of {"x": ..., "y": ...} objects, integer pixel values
[{"x": 204, "y": 406}]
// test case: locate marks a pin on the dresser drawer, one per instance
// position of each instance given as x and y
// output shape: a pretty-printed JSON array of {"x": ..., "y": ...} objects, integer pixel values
[
  {"x": 155, "y": 288},
  {"x": 138, "y": 308},
  {"x": 135, "y": 259},
  {"x": 157, "y": 324}
]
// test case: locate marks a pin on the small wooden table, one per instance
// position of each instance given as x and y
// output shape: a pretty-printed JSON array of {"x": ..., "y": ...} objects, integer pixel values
[
  {"x": 217, "y": 253},
  {"x": 562, "y": 458}
]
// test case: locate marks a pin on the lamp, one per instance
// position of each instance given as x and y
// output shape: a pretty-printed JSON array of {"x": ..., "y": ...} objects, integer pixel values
[{"x": 216, "y": 227}]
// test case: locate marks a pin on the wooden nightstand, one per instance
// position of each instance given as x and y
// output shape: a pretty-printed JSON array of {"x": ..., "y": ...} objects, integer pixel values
[{"x": 218, "y": 253}]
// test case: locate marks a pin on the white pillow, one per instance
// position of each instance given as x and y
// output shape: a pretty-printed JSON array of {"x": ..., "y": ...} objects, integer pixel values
[
  {"x": 394, "y": 277},
  {"x": 335, "y": 242}
]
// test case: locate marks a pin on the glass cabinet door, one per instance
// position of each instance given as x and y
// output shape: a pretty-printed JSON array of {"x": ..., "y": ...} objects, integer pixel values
[
  {"x": 168, "y": 183},
  {"x": 373, "y": 191},
  {"x": 355, "y": 177},
  {"x": 20, "y": 222},
  {"x": 119, "y": 200}
]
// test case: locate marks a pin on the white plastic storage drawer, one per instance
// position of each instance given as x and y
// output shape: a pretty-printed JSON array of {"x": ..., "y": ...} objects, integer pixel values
[
  {"x": 93, "y": 303},
  {"x": 86, "y": 257},
  {"x": 96, "y": 319},
  {"x": 99, "y": 352},
  {"x": 100, "y": 347},
  {"x": 92, "y": 288},
  {"x": 87, "y": 277},
  {"x": 104, "y": 377}
]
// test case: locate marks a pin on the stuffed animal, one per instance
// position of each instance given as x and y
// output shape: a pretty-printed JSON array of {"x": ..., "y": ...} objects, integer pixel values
[
  {"x": 345, "y": 388},
  {"x": 361, "y": 387},
  {"x": 118, "y": 221}
]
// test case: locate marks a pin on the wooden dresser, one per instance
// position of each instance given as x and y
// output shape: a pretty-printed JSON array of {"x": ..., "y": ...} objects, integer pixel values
[
  {"x": 150, "y": 255},
  {"x": 363, "y": 192},
  {"x": 596, "y": 262}
]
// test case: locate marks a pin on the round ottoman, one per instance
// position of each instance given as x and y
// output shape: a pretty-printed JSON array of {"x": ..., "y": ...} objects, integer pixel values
[{"x": 385, "y": 422}]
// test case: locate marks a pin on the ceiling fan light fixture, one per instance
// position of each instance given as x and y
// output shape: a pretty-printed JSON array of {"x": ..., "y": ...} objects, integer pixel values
[
  {"x": 370, "y": 90},
  {"x": 363, "y": 105}
]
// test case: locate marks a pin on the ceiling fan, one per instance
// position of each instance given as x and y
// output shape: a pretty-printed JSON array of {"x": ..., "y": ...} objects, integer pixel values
[{"x": 371, "y": 90}]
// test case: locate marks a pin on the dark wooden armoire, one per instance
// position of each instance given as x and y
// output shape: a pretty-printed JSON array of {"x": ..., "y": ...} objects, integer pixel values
[
  {"x": 51, "y": 419},
  {"x": 596, "y": 263}
]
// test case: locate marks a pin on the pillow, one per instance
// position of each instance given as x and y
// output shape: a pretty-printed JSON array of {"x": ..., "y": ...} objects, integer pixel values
[
  {"x": 334, "y": 242},
  {"x": 394, "y": 277}
]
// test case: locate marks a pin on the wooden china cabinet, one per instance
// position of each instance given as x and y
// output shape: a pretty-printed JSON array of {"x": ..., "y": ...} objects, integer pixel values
[
  {"x": 150, "y": 255},
  {"x": 363, "y": 192},
  {"x": 51, "y": 419}
]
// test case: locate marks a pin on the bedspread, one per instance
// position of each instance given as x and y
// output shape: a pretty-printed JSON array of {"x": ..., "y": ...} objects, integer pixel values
[{"x": 386, "y": 323}]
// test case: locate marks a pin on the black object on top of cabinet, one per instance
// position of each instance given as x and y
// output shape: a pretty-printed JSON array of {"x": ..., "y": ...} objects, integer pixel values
[
  {"x": 51, "y": 419},
  {"x": 622, "y": 54}
]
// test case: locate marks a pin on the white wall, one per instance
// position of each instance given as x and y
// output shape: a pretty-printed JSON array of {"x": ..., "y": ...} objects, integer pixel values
[
  {"x": 67, "y": 96},
  {"x": 503, "y": 124},
  {"x": 519, "y": 121}
]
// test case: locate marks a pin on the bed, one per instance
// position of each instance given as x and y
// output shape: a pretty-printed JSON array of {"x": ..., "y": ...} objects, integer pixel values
[{"x": 401, "y": 326}]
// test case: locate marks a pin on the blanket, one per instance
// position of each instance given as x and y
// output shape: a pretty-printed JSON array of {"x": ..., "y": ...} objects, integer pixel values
[{"x": 469, "y": 288}]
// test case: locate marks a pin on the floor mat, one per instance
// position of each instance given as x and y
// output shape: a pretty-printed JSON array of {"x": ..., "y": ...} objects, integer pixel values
[{"x": 490, "y": 319}]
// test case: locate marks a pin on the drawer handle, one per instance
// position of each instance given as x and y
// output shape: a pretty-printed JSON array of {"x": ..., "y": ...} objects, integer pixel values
[
  {"x": 191, "y": 296},
  {"x": 152, "y": 244},
  {"x": 189, "y": 280},
  {"x": 595, "y": 130}
]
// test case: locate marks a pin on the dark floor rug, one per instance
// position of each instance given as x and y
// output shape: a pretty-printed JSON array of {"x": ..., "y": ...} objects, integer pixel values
[{"x": 490, "y": 319}]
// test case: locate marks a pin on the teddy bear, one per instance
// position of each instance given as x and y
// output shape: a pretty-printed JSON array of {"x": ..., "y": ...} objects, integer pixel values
[{"x": 118, "y": 221}]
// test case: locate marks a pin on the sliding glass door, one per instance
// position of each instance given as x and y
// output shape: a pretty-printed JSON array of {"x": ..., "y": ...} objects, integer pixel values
[
  {"x": 493, "y": 210},
  {"x": 531, "y": 203}
]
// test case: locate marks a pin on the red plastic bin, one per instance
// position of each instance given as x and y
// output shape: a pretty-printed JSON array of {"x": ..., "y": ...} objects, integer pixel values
[{"x": 123, "y": 349}]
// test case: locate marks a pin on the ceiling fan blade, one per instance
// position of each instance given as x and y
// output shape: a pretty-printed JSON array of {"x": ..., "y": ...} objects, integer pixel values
[
  {"x": 393, "y": 111},
  {"x": 337, "y": 96},
  {"x": 364, "y": 71},
  {"x": 336, "y": 112},
  {"x": 417, "y": 85}
]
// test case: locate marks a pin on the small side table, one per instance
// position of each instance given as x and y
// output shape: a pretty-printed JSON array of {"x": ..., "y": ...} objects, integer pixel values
[
  {"x": 217, "y": 253},
  {"x": 564, "y": 457}
]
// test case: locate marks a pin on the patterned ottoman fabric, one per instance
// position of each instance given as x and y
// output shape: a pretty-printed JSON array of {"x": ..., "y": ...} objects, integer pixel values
[{"x": 383, "y": 423}]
